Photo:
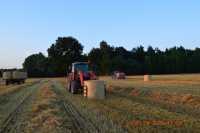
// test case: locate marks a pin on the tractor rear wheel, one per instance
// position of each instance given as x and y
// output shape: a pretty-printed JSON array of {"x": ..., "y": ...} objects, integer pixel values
[
  {"x": 69, "y": 86},
  {"x": 74, "y": 86}
]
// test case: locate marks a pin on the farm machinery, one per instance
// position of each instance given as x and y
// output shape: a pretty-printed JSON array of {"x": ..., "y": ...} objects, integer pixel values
[
  {"x": 118, "y": 75},
  {"x": 14, "y": 76},
  {"x": 83, "y": 81}
]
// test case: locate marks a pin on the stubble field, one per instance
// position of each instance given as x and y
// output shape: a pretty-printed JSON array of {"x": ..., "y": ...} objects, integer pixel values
[{"x": 167, "y": 103}]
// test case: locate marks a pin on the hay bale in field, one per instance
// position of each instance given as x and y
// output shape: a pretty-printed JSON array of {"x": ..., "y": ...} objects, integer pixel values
[
  {"x": 147, "y": 78},
  {"x": 95, "y": 89}
]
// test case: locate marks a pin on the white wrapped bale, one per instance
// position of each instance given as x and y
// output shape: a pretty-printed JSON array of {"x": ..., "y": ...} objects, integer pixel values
[
  {"x": 94, "y": 89},
  {"x": 19, "y": 75},
  {"x": 7, "y": 75}
]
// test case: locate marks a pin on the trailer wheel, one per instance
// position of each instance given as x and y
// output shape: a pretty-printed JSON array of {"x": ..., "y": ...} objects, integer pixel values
[
  {"x": 7, "y": 82},
  {"x": 18, "y": 82}
]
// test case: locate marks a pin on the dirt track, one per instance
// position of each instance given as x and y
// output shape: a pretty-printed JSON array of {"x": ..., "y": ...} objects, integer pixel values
[
  {"x": 19, "y": 120},
  {"x": 14, "y": 120},
  {"x": 41, "y": 108},
  {"x": 77, "y": 122}
]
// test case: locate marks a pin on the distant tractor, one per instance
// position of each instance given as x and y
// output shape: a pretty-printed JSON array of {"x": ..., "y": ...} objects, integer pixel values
[
  {"x": 14, "y": 76},
  {"x": 118, "y": 75}
]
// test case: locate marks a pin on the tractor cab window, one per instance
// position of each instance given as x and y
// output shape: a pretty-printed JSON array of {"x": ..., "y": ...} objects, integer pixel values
[{"x": 81, "y": 67}]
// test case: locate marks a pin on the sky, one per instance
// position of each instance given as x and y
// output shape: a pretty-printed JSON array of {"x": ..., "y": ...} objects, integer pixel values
[{"x": 31, "y": 26}]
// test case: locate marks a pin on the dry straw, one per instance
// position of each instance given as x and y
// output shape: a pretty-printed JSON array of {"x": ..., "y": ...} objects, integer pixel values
[{"x": 147, "y": 78}]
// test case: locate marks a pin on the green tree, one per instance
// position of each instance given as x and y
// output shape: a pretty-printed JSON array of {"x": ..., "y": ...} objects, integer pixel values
[
  {"x": 106, "y": 57},
  {"x": 139, "y": 54},
  {"x": 94, "y": 57},
  {"x": 150, "y": 60},
  {"x": 63, "y": 53},
  {"x": 36, "y": 65}
]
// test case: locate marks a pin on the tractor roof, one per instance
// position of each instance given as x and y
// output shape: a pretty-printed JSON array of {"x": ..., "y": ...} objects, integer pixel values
[{"x": 75, "y": 63}]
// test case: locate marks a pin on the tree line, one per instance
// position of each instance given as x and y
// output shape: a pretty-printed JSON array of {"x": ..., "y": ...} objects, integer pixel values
[{"x": 106, "y": 58}]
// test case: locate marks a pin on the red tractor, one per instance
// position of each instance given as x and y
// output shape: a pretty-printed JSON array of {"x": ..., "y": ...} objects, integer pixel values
[{"x": 79, "y": 73}]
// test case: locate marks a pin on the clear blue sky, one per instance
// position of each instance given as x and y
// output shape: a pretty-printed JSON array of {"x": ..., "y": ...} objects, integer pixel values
[{"x": 30, "y": 26}]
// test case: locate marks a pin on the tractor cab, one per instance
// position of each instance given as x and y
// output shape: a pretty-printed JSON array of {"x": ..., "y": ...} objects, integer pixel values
[
  {"x": 81, "y": 69},
  {"x": 80, "y": 66}
]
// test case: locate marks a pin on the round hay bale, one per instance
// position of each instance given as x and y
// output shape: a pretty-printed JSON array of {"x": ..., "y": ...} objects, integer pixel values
[
  {"x": 94, "y": 89},
  {"x": 147, "y": 78}
]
